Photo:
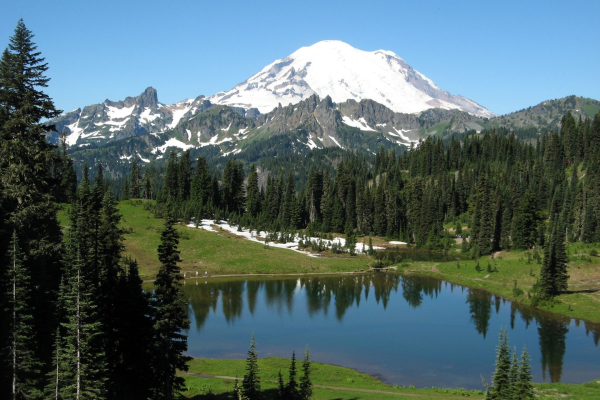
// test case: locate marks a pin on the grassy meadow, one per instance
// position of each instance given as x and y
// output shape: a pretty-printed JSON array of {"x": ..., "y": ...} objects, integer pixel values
[
  {"x": 334, "y": 382},
  {"x": 227, "y": 254}
]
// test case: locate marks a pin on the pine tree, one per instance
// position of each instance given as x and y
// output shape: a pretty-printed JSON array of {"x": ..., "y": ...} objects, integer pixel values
[
  {"x": 251, "y": 382},
  {"x": 135, "y": 181},
  {"x": 253, "y": 199},
  {"x": 132, "y": 377},
  {"x": 82, "y": 374},
  {"x": 305, "y": 382},
  {"x": 553, "y": 276},
  {"x": 291, "y": 389},
  {"x": 169, "y": 317},
  {"x": 523, "y": 389},
  {"x": 280, "y": 387},
  {"x": 149, "y": 182},
  {"x": 500, "y": 388},
  {"x": 27, "y": 183},
  {"x": 171, "y": 182},
  {"x": 25, "y": 367}
]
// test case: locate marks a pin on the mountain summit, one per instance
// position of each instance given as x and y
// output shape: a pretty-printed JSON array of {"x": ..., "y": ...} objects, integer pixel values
[{"x": 336, "y": 69}]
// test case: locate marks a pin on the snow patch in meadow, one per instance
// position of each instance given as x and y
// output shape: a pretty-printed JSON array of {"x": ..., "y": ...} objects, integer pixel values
[{"x": 252, "y": 235}]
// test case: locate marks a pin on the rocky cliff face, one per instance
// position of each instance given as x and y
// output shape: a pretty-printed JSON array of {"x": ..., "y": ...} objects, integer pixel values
[{"x": 134, "y": 116}]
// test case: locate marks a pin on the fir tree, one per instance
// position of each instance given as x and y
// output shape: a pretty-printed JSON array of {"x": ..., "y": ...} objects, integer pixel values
[
  {"x": 500, "y": 388},
  {"x": 305, "y": 381},
  {"x": 251, "y": 382},
  {"x": 553, "y": 275},
  {"x": 135, "y": 181},
  {"x": 523, "y": 389},
  {"x": 25, "y": 367},
  {"x": 253, "y": 199},
  {"x": 27, "y": 183},
  {"x": 291, "y": 389},
  {"x": 169, "y": 317}
]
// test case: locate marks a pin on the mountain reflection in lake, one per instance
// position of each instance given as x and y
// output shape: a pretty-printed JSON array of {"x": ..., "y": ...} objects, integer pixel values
[{"x": 409, "y": 330}]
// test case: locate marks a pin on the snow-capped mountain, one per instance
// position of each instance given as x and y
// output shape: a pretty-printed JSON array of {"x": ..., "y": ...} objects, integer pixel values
[
  {"x": 336, "y": 69},
  {"x": 134, "y": 116}
]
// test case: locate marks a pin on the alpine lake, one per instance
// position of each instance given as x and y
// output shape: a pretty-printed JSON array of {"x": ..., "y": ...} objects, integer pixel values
[{"x": 407, "y": 330}]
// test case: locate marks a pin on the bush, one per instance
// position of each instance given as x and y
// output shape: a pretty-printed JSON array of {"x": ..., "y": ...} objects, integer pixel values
[{"x": 594, "y": 253}]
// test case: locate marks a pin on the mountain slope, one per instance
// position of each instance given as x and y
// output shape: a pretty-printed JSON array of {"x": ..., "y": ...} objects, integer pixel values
[
  {"x": 336, "y": 69},
  {"x": 548, "y": 114},
  {"x": 134, "y": 116}
]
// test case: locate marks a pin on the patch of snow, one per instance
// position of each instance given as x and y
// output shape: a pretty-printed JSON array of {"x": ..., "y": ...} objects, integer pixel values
[
  {"x": 171, "y": 143},
  {"x": 147, "y": 116},
  {"x": 124, "y": 157},
  {"x": 360, "y": 124},
  {"x": 311, "y": 144},
  {"x": 119, "y": 113},
  {"x": 235, "y": 151},
  {"x": 207, "y": 224},
  {"x": 76, "y": 132},
  {"x": 336, "y": 142},
  {"x": 142, "y": 158},
  {"x": 402, "y": 136},
  {"x": 178, "y": 113},
  {"x": 397, "y": 243},
  {"x": 226, "y": 129}
]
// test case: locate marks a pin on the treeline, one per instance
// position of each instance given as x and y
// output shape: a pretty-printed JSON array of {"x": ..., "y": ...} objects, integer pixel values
[
  {"x": 74, "y": 320},
  {"x": 502, "y": 190}
]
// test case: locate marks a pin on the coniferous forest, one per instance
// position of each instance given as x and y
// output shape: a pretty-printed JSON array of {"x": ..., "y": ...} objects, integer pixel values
[
  {"x": 74, "y": 319},
  {"x": 75, "y": 322}
]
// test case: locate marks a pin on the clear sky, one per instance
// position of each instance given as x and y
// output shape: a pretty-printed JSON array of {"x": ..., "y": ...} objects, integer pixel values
[{"x": 505, "y": 55}]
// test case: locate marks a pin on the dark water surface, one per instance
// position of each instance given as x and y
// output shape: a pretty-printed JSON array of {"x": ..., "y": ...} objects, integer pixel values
[{"x": 408, "y": 330}]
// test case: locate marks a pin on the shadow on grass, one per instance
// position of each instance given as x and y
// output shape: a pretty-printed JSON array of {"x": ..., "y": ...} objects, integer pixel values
[
  {"x": 580, "y": 291},
  {"x": 269, "y": 394}
]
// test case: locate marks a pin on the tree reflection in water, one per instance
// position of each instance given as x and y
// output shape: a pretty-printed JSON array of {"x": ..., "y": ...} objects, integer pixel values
[{"x": 349, "y": 290}]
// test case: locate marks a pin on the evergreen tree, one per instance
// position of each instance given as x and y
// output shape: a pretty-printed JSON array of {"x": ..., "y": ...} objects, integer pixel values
[
  {"x": 305, "y": 381},
  {"x": 27, "y": 185},
  {"x": 253, "y": 199},
  {"x": 523, "y": 389},
  {"x": 291, "y": 389},
  {"x": 553, "y": 276},
  {"x": 500, "y": 388},
  {"x": 184, "y": 176},
  {"x": 169, "y": 318},
  {"x": 281, "y": 395},
  {"x": 132, "y": 377},
  {"x": 25, "y": 367},
  {"x": 149, "y": 182},
  {"x": 171, "y": 177},
  {"x": 82, "y": 373},
  {"x": 251, "y": 382},
  {"x": 135, "y": 181}
]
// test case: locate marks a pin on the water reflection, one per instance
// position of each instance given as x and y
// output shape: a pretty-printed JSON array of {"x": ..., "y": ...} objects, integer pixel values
[
  {"x": 480, "y": 307},
  {"x": 417, "y": 314}
]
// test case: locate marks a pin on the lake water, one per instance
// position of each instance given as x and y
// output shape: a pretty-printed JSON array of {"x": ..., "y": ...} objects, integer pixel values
[{"x": 407, "y": 330}]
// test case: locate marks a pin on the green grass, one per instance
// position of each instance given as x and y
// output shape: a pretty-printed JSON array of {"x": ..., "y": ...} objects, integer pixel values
[
  {"x": 344, "y": 383},
  {"x": 581, "y": 301},
  {"x": 219, "y": 254},
  {"x": 226, "y": 254}
]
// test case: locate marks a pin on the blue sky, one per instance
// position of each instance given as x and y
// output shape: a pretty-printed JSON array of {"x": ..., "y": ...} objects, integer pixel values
[{"x": 504, "y": 55}]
